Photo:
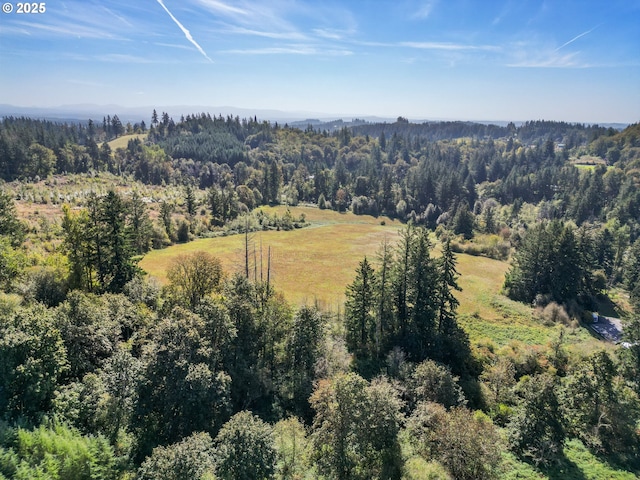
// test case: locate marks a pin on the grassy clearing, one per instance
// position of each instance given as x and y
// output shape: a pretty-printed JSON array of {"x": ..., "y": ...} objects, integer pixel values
[
  {"x": 309, "y": 265},
  {"x": 486, "y": 313},
  {"x": 578, "y": 463},
  {"x": 45, "y": 198},
  {"x": 123, "y": 141},
  {"x": 314, "y": 265}
]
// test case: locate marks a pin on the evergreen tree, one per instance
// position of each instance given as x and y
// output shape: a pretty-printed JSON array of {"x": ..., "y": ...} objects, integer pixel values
[
  {"x": 273, "y": 183},
  {"x": 384, "y": 322},
  {"x": 10, "y": 225},
  {"x": 117, "y": 128},
  {"x": 400, "y": 282},
  {"x": 548, "y": 262},
  {"x": 359, "y": 313},
  {"x": 528, "y": 274},
  {"x": 166, "y": 212},
  {"x": 448, "y": 276},
  {"x": 140, "y": 228},
  {"x": 119, "y": 263},
  {"x": 76, "y": 246},
  {"x": 463, "y": 221},
  {"x": 98, "y": 244},
  {"x": 419, "y": 340},
  {"x": 303, "y": 350},
  {"x": 106, "y": 156},
  {"x": 564, "y": 280},
  {"x": 190, "y": 200},
  {"x": 96, "y": 241}
]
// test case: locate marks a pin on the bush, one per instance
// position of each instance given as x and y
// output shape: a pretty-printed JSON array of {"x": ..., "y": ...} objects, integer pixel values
[
  {"x": 46, "y": 285},
  {"x": 160, "y": 239},
  {"x": 485, "y": 246},
  {"x": 433, "y": 382},
  {"x": 466, "y": 443},
  {"x": 322, "y": 203},
  {"x": 554, "y": 313},
  {"x": 58, "y": 453}
]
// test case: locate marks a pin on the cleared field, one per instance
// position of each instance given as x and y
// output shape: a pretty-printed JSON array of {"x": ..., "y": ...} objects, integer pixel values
[
  {"x": 312, "y": 264},
  {"x": 316, "y": 263},
  {"x": 123, "y": 141}
]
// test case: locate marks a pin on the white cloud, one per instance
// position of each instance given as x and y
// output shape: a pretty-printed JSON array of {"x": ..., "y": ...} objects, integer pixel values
[
  {"x": 223, "y": 8},
  {"x": 447, "y": 46},
  {"x": 285, "y": 35},
  {"x": 68, "y": 29},
  {"x": 291, "y": 50},
  {"x": 425, "y": 10},
  {"x": 328, "y": 33}
]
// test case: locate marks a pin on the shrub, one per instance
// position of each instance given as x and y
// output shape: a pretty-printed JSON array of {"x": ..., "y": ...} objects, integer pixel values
[
  {"x": 466, "y": 443},
  {"x": 554, "y": 313}
]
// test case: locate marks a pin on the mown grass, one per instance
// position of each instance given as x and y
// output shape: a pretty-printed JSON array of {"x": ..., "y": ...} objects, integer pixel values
[{"x": 123, "y": 141}]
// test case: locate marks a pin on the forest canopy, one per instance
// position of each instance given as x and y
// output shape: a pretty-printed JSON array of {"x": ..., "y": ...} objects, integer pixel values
[{"x": 106, "y": 373}]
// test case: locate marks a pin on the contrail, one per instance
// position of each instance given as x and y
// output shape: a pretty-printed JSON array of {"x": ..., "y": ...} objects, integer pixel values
[
  {"x": 576, "y": 38},
  {"x": 185, "y": 31}
]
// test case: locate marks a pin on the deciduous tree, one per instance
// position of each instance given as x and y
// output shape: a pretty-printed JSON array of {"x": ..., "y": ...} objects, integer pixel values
[
  {"x": 536, "y": 429},
  {"x": 192, "y": 277},
  {"x": 245, "y": 449},
  {"x": 355, "y": 428},
  {"x": 33, "y": 360},
  {"x": 193, "y": 458}
]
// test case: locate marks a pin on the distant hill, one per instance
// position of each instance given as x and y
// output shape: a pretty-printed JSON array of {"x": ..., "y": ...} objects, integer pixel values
[{"x": 299, "y": 119}]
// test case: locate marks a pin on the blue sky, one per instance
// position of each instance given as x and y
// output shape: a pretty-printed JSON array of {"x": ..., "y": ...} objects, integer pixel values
[{"x": 576, "y": 61}]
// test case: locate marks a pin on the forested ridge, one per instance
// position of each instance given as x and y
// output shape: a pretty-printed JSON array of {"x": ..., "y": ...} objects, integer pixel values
[{"x": 104, "y": 373}]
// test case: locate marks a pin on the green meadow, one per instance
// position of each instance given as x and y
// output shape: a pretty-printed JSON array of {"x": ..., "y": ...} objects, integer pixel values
[{"x": 313, "y": 265}]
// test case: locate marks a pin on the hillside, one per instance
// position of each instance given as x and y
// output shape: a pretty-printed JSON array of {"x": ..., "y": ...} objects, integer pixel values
[{"x": 468, "y": 340}]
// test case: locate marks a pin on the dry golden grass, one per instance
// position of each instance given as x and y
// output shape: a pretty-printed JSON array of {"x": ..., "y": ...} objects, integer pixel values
[
  {"x": 123, "y": 141},
  {"x": 316, "y": 263},
  {"x": 313, "y": 264},
  {"x": 480, "y": 278}
]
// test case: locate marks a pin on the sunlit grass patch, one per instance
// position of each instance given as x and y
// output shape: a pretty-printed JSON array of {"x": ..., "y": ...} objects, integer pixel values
[
  {"x": 307, "y": 265},
  {"x": 503, "y": 333},
  {"x": 314, "y": 265},
  {"x": 123, "y": 141}
]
